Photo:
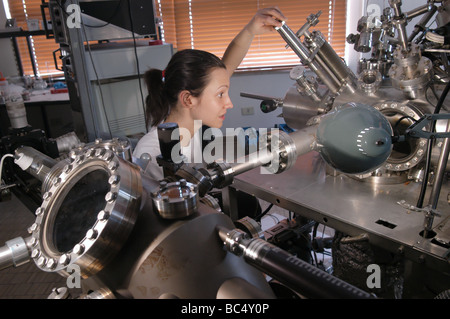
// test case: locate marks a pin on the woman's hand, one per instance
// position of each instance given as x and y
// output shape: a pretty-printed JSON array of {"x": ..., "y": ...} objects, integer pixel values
[{"x": 265, "y": 20}]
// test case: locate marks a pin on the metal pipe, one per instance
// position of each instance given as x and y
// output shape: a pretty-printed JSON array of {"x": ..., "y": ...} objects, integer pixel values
[
  {"x": 303, "y": 141},
  {"x": 396, "y": 5},
  {"x": 251, "y": 161},
  {"x": 328, "y": 78},
  {"x": 293, "y": 272},
  {"x": 400, "y": 23},
  {"x": 34, "y": 162},
  {"x": 329, "y": 56},
  {"x": 16, "y": 252},
  {"x": 440, "y": 171},
  {"x": 294, "y": 42},
  {"x": 402, "y": 34},
  {"x": 67, "y": 142},
  {"x": 418, "y": 11}
]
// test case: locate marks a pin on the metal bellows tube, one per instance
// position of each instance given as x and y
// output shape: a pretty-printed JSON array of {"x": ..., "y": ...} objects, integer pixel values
[{"x": 286, "y": 268}]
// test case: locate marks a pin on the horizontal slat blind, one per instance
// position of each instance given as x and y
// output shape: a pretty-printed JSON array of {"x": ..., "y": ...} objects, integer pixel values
[
  {"x": 211, "y": 24},
  {"x": 207, "y": 25},
  {"x": 166, "y": 11},
  {"x": 337, "y": 24},
  {"x": 42, "y": 47}
]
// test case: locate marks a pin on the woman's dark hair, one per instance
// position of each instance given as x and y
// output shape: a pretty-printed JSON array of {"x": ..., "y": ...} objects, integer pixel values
[{"x": 187, "y": 70}]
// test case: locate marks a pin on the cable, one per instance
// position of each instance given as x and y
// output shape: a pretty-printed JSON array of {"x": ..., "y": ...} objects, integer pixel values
[
  {"x": 258, "y": 218},
  {"x": 316, "y": 225},
  {"x": 137, "y": 64},
  {"x": 433, "y": 37},
  {"x": 438, "y": 107},
  {"x": 401, "y": 119},
  {"x": 98, "y": 81},
  {"x": 1, "y": 165},
  {"x": 274, "y": 218},
  {"x": 93, "y": 66}
]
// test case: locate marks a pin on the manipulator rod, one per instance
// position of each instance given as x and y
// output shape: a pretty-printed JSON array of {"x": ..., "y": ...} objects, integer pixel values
[
  {"x": 277, "y": 153},
  {"x": 316, "y": 53},
  {"x": 288, "y": 269},
  {"x": 353, "y": 138}
]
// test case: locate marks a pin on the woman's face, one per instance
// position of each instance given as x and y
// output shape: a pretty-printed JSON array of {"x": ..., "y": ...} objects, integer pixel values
[{"x": 212, "y": 104}]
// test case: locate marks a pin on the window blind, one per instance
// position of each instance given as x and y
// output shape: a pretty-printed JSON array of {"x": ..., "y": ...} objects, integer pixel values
[
  {"x": 42, "y": 47},
  {"x": 211, "y": 25},
  {"x": 206, "y": 25}
]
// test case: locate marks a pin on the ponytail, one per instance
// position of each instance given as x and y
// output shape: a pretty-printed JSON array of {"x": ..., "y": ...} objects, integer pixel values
[{"x": 157, "y": 107}]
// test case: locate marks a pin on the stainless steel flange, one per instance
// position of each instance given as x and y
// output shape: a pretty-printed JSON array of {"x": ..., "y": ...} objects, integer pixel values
[
  {"x": 408, "y": 154},
  {"x": 175, "y": 200},
  {"x": 87, "y": 213}
]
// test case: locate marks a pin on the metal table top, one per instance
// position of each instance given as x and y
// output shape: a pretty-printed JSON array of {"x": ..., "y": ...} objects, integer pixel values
[{"x": 356, "y": 207}]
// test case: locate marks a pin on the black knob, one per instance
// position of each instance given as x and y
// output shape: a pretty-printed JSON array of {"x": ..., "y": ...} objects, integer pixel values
[
  {"x": 169, "y": 137},
  {"x": 268, "y": 106}
]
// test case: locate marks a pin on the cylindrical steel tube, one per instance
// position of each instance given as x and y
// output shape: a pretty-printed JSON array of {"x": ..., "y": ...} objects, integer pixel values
[
  {"x": 67, "y": 142},
  {"x": 5, "y": 257},
  {"x": 15, "y": 252},
  {"x": 396, "y": 5},
  {"x": 440, "y": 171},
  {"x": 251, "y": 161},
  {"x": 304, "y": 139},
  {"x": 34, "y": 162},
  {"x": 294, "y": 42},
  {"x": 418, "y": 11},
  {"x": 335, "y": 64},
  {"x": 300, "y": 49},
  {"x": 402, "y": 34}
]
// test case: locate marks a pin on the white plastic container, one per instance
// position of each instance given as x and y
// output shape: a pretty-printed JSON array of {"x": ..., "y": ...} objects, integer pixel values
[
  {"x": 16, "y": 111},
  {"x": 15, "y": 107}
]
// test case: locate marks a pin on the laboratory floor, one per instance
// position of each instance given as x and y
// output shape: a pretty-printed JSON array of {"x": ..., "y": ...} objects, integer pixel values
[{"x": 26, "y": 281}]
